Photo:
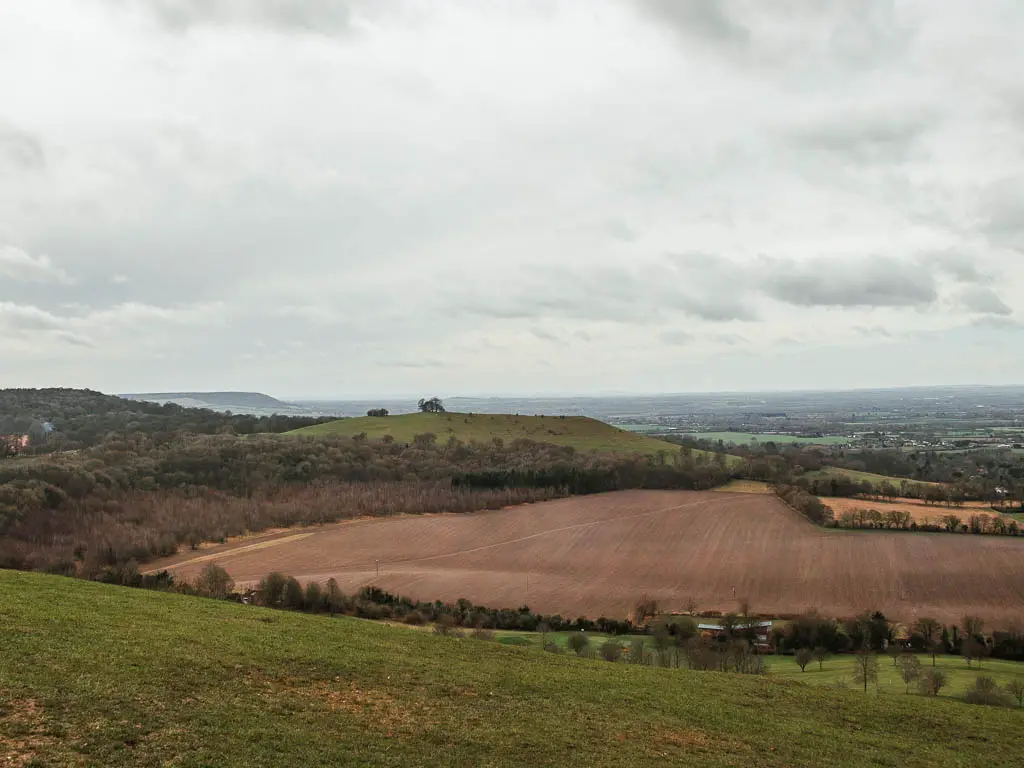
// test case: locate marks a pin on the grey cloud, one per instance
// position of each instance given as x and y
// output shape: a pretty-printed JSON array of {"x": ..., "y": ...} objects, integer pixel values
[
  {"x": 873, "y": 331},
  {"x": 23, "y": 317},
  {"x": 676, "y": 338},
  {"x": 866, "y": 138},
  {"x": 619, "y": 230},
  {"x": 582, "y": 336},
  {"x": 616, "y": 295},
  {"x": 74, "y": 339},
  {"x": 322, "y": 16},
  {"x": 707, "y": 20},
  {"x": 15, "y": 264},
  {"x": 983, "y": 300},
  {"x": 543, "y": 334},
  {"x": 20, "y": 150},
  {"x": 1002, "y": 211},
  {"x": 959, "y": 266},
  {"x": 997, "y": 323},
  {"x": 873, "y": 281},
  {"x": 411, "y": 364}
]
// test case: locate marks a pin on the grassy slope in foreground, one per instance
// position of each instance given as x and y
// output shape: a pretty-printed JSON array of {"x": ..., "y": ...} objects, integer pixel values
[
  {"x": 100, "y": 675},
  {"x": 580, "y": 432}
]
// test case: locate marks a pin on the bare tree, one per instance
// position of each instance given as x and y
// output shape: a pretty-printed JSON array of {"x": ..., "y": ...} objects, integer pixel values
[
  {"x": 932, "y": 681},
  {"x": 803, "y": 657},
  {"x": 820, "y": 654},
  {"x": 910, "y": 669},
  {"x": 972, "y": 626},
  {"x": 1016, "y": 689},
  {"x": 930, "y": 630},
  {"x": 214, "y": 581},
  {"x": 894, "y": 652},
  {"x": 865, "y": 669}
]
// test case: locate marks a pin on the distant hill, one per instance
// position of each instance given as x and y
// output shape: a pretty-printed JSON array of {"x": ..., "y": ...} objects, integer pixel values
[
  {"x": 580, "y": 432},
  {"x": 102, "y": 675},
  {"x": 64, "y": 419},
  {"x": 219, "y": 401}
]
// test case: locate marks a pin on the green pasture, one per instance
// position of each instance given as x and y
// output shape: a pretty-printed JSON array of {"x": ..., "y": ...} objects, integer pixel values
[
  {"x": 742, "y": 438},
  {"x": 98, "y": 675},
  {"x": 579, "y": 432}
]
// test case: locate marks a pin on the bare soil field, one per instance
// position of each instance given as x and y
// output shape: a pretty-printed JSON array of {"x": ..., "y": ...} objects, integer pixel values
[
  {"x": 597, "y": 555},
  {"x": 918, "y": 510}
]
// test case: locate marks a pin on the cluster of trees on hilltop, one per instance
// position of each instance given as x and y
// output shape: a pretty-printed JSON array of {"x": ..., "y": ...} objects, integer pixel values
[{"x": 69, "y": 419}]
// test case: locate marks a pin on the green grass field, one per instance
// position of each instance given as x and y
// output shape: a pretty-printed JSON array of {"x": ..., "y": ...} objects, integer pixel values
[
  {"x": 97, "y": 675},
  {"x": 875, "y": 480},
  {"x": 580, "y": 432},
  {"x": 741, "y": 438},
  {"x": 839, "y": 670}
]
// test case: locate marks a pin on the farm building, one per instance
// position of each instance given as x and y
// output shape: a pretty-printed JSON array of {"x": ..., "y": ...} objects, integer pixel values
[{"x": 763, "y": 630}]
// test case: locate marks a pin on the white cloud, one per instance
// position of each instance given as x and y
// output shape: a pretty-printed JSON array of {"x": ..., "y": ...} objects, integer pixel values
[{"x": 15, "y": 264}]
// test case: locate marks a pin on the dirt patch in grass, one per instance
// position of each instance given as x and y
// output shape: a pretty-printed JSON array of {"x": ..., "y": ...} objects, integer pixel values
[{"x": 23, "y": 733}]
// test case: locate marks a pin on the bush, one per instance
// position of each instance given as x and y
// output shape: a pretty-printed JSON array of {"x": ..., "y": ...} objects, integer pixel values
[
  {"x": 986, "y": 692},
  {"x": 932, "y": 681},
  {"x": 803, "y": 657},
  {"x": 482, "y": 634},
  {"x": 415, "y": 618},
  {"x": 611, "y": 651},
  {"x": 445, "y": 624},
  {"x": 271, "y": 590},
  {"x": 214, "y": 581},
  {"x": 578, "y": 642}
]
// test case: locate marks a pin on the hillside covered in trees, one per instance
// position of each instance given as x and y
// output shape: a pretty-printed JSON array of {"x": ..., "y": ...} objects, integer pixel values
[{"x": 70, "y": 419}]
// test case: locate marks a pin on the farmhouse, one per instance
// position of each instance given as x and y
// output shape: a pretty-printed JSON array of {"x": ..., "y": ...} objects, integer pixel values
[{"x": 762, "y": 630}]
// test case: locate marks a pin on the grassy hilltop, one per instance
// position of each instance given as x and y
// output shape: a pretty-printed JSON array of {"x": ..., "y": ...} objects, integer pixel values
[
  {"x": 92, "y": 674},
  {"x": 580, "y": 432}
]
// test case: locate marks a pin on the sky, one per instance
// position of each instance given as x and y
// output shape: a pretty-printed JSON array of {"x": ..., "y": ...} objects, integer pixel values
[{"x": 351, "y": 198}]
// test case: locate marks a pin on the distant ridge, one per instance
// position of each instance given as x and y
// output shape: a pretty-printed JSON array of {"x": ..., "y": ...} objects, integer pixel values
[{"x": 218, "y": 401}]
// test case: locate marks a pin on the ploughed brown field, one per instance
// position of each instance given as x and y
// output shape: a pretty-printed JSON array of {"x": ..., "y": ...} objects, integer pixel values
[
  {"x": 918, "y": 510},
  {"x": 597, "y": 555}
]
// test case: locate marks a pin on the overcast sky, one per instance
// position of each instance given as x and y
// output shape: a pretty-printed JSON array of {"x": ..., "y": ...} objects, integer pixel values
[{"x": 330, "y": 198}]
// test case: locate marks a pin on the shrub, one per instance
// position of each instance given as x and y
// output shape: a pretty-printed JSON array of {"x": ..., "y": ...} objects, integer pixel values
[
  {"x": 214, "y": 581},
  {"x": 986, "y": 692},
  {"x": 932, "y": 681},
  {"x": 415, "y": 618},
  {"x": 445, "y": 624},
  {"x": 611, "y": 651},
  {"x": 482, "y": 634},
  {"x": 1015, "y": 688},
  {"x": 271, "y": 590},
  {"x": 578, "y": 642},
  {"x": 803, "y": 657}
]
